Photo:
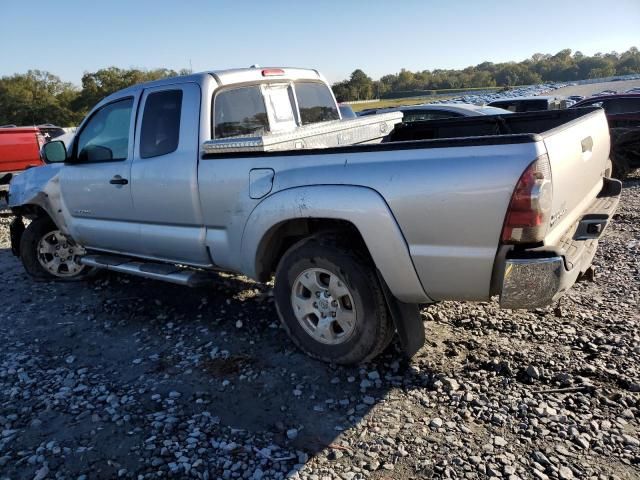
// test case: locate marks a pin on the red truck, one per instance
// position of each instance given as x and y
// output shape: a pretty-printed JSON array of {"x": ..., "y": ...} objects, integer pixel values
[{"x": 19, "y": 150}]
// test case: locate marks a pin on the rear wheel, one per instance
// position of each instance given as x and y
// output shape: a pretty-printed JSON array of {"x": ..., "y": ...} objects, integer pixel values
[
  {"x": 330, "y": 302},
  {"x": 620, "y": 169},
  {"x": 48, "y": 254}
]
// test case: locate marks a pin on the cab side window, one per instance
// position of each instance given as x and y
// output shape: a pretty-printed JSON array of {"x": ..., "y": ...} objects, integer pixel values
[
  {"x": 160, "y": 130},
  {"x": 105, "y": 137}
]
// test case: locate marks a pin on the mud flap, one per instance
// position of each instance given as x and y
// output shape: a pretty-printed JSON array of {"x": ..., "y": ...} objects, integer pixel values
[
  {"x": 407, "y": 319},
  {"x": 16, "y": 229}
]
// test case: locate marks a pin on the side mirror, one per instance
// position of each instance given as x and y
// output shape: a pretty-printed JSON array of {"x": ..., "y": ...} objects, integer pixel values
[{"x": 54, "y": 152}]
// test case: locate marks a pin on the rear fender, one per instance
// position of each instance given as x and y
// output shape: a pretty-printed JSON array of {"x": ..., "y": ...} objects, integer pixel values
[{"x": 362, "y": 207}]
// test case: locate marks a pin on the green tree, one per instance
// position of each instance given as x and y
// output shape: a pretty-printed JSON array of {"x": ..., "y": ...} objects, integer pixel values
[
  {"x": 37, "y": 97},
  {"x": 99, "y": 84}
]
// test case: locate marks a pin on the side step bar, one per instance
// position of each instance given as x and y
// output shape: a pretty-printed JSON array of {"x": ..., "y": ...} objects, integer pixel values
[{"x": 156, "y": 271}]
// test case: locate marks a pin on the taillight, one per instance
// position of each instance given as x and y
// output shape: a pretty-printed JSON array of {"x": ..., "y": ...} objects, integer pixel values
[{"x": 527, "y": 218}]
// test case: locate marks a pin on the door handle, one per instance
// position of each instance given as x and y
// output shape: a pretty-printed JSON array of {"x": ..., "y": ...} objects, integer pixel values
[{"x": 118, "y": 180}]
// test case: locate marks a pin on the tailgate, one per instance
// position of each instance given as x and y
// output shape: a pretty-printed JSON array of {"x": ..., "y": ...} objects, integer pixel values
[{"x": 578, "y": 154}]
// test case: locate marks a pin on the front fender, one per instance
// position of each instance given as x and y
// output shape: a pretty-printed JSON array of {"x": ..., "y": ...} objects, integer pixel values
[
  {"x": 39, "y": 186},
  {"x": 362, "y": 207}
]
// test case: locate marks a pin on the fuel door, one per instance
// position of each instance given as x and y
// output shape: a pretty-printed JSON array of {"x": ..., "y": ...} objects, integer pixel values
[{"x": 260, "y": 182}]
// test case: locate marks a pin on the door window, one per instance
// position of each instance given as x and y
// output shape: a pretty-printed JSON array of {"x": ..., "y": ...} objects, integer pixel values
[
  {"x": 105, "y": 137},
  {"x": 160, "y": 130}
]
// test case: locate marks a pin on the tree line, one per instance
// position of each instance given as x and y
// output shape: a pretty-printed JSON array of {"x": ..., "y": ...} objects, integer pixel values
[
  {"x": 39, "y": 97},
  {"x": 562, "y": 67}
]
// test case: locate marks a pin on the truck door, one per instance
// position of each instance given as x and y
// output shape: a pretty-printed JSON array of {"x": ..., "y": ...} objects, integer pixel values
[
  {"x": 164, "y": 175},
  {"x": 96, "y": 187}
]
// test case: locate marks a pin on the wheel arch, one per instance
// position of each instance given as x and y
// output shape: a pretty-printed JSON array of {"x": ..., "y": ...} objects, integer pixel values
[{"x": 290, "y": 215}]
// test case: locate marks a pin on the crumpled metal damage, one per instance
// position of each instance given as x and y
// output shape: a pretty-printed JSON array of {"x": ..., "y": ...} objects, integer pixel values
[{"x": 40, "y": 187}]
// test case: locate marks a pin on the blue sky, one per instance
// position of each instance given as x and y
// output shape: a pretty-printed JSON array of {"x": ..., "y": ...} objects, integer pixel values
[{"x": 335, "y": 37}]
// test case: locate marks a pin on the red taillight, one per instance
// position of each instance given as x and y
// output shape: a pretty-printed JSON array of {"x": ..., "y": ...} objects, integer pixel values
[
  {"x": 529, "y": 211},
  {"x": 270, "y": 72}
]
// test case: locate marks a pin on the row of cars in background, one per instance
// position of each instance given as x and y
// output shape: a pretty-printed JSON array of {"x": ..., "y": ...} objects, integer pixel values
[{"x": 622, "y": 110}]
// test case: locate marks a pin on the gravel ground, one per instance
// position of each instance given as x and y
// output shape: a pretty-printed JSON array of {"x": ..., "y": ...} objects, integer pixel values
[{"x": 124, "y": 377}]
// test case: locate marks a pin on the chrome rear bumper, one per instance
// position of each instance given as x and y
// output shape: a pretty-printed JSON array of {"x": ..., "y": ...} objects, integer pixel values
[{"x": 531, "y": 283}]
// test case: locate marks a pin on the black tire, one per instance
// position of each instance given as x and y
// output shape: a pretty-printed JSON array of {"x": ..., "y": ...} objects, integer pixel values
[
  {"x": 373, "y": 329},
  {"x": 620, "y": 168},
  {"x": 36, "y": 230}
]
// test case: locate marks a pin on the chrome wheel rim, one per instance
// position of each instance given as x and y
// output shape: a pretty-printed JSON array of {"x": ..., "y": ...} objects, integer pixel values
[
  {"x": 324, "y": 306},
  {"x": 59, "y": 256}
]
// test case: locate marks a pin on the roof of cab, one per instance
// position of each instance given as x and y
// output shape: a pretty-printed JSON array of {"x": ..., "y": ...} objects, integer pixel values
[{"x": 226, "y": 77}]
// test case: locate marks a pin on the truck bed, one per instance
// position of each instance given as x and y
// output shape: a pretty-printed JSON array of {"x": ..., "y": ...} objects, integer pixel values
[
  {"x": 457, "y": 176},
  {"x": 460, "y": 131},
  {"x": 516, "y": 124}
]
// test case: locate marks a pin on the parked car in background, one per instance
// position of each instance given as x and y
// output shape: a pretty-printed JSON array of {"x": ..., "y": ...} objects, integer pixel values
[
  {"x": 417, "y": 113},
  {"x": 530, "y": 104},
  {"x": 604, "y": 92},
  {"x": 623, "y": 115},
  {"x": 346, "y": 111},
  {"x": 19, "y": 150},
  {"x": 359, "y": 222},
  {"x": 49, "y": 131}
]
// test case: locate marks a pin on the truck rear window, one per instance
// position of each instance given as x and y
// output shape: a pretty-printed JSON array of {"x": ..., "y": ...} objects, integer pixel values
[
  {"x": 240, "y": 111},
  {"x": 315, "y": 102}
]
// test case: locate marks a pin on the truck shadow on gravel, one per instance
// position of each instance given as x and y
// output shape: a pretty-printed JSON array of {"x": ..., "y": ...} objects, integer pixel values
[{"x": 225, "y": 347}]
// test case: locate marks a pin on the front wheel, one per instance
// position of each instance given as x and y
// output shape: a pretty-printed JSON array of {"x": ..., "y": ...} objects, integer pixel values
[
  {"x": 47, "y": 254},
  {"x": 330, "y": 302}
]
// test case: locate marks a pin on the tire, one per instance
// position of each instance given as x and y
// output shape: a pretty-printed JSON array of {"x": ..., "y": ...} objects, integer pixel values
[
  {"x": 620, "y": 168},
  {"x": 369, "y": 328},
  {"x": 39, "y": 229}
]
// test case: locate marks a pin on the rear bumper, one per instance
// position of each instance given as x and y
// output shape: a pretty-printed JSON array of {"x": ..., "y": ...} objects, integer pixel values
[{"x": 535, "y": 278}]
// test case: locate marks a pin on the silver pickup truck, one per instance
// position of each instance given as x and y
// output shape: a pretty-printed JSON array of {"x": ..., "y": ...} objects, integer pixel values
[{"x": 253, "y": 171}]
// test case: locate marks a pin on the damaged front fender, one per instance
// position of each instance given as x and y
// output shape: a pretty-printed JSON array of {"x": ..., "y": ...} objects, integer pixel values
[{"x": 38, "y": 189}]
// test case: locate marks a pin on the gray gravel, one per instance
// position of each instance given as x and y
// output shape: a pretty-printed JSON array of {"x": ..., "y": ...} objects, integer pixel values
[{"x": 129, "y": 378}]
